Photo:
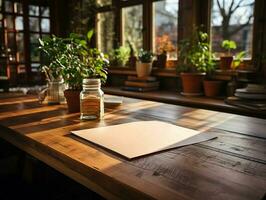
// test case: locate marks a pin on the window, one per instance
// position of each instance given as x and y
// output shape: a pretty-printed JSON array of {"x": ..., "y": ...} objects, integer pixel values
[
  {"x": 14, "y": 37},
  {"x": 165, "y": 27},
  {"x": 105, "y": 30},
  {"x": 132, "y": 26},
  {"x": 232, "y": 20},
  {"x": 15, "y": 16},
  {"x": 39, "y": 26}
]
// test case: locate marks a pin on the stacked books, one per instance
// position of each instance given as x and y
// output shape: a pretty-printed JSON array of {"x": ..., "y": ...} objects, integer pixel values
[
  {"x": 141, "y": 84},
  {"x": 252, "y": 97},
  {"x": 252, "y": 91}
]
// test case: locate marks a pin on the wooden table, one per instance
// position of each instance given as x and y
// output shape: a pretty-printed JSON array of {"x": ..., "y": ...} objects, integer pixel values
[{"x": 229, "y": 167}]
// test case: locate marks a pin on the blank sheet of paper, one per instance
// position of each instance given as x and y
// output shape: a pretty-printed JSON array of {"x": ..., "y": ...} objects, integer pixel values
[{"x": 141, "y": 138}]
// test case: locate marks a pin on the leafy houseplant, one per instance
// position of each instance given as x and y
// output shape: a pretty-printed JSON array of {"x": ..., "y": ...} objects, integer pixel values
[
  {"x": 81, "y": 62},
  {"x": 53, "y": 47},
  {"x": 76, "y": 62},
  {"x": 238, "y": 59},
  {"x": 120, "y": 56},
  {"x": 144, "y": 65},
  {"x": 195, "y": 59},
  {"x": 227, "y": 59}
]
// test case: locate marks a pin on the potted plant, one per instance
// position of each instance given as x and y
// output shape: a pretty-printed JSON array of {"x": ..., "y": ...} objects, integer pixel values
[
  {"x": 144, "y": 64},
  {"x": 120, "y": 56},
  {"x": 195, "y": 59},
  {"x": 227, "y": 59},
  {"x": 238, "y": 59},
  {"x": 79, "y": 62},
  {"x": 53, "y": 47}
]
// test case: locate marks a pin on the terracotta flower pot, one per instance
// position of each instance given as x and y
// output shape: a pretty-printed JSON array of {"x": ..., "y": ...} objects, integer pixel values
[
  {"x": 225, "y": 62},
  {"x": 72, "y": 99},
  {"x": 192, "y": 83},
  {"x": 143, "y": 69},
  {"x": 212, "y": 88}
]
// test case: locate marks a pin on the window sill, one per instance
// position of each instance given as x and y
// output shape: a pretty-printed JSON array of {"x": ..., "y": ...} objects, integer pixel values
[
  {"x": 169, "y": 72},
  {"x": 173, "y": 97}
]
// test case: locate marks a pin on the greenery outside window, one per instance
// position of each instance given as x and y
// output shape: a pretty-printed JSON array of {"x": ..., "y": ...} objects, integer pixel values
[
  {"x": 105, "y": 29},
  {"x": 132, "y": 18}
]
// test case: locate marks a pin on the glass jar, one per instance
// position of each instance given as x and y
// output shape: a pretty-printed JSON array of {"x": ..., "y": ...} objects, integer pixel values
[
  {"x": 91, "y": 100},
  {"x": 53, "y": 94}
]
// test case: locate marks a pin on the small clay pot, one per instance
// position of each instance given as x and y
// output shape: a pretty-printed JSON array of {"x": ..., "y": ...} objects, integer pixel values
[
  {"x": 143, "y": 69},
  {"x": 192, "y": 83},
  {"x": 73, "y": 100},
  {"x": 212, "y": 88},
  {"x": 226, "y": 62}
]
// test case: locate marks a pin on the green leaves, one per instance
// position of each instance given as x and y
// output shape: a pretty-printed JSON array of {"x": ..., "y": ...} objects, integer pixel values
[
  {"x": 120, "y": 56},
  {"x": 73, "y": 59},
  {"x": 90, "y": 34},
  {"x": 145, "y": 56},
  {"x": 228, "y": 45},
  {"x": 195, "y": 55}
]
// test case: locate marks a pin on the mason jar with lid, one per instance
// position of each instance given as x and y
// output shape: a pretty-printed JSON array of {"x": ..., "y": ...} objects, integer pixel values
[{"x": 91, "y": 100}]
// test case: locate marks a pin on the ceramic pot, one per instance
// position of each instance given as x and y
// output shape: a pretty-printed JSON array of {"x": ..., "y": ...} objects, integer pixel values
[
  {"x": 212, "y": 88},
  {"x": 143, "y": 69},
  {"x": 192, "y": 83},
  {"x": 73, "y": 100},
  {"x": 226, "y": 62}
]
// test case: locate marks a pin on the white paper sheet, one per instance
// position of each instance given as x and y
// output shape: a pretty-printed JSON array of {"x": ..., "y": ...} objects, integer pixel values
[{"x": 141, "y": 138}]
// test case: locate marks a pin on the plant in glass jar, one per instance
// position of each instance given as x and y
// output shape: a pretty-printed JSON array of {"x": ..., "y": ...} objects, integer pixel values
[
  {"x": 144, "y": 64},
  {"x": 194, "y": 60},
  {"x": 53, "y": 47}
]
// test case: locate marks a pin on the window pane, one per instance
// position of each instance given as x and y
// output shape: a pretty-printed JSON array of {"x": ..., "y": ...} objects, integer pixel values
[
  {"x": 45, "y": 12},
  {"x": 34, "y": 52},
  {"x": 165, "y": 27},
  {"x": 9, "y": 22},
  {"x": 104, "y": 2},
  {"x": 18, "y": 8},
  {"x": 45, "y": 25},
  {"x": 8, "y": 6},
  {"x": 21, "y": 69},
  {"x": 35, "y": 67},
  {"x": 19, "y": 23},
  {"x": 20, "y": 47},
  {"x": 34, "y": 24},
  {"x": 132, "y": 26},
  {"x": 237, "y": 26},
  {"x": 34, "y": 10},
  {"x": 105, "y": 31},
  {"x": 11, "y": 42}
]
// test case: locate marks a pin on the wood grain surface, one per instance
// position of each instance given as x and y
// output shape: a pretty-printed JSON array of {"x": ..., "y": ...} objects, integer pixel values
[{"x": 233, "y": 166}]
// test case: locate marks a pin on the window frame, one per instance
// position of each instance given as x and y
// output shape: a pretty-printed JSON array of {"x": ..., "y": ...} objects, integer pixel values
[
  {"x": 26, "y": 34},
  {"x": 148, "y": 15}
]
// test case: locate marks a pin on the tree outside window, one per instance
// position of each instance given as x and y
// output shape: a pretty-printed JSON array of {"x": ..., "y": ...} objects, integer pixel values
[{"x": 232, "y": 20}]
